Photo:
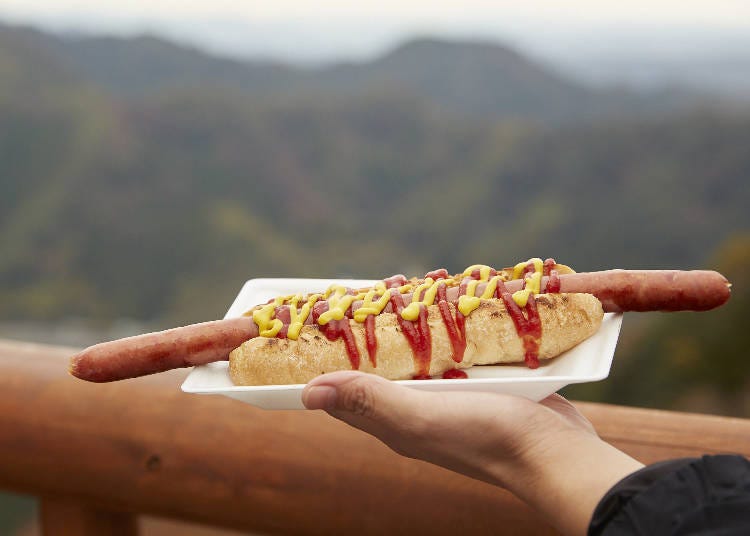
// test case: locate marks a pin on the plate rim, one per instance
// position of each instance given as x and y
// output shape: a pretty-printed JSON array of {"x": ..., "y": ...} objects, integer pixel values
[{"x": 187, "y": 386}]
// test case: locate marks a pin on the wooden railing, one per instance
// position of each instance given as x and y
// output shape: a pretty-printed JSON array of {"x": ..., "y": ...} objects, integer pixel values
[{"x": 97, "y": 456}]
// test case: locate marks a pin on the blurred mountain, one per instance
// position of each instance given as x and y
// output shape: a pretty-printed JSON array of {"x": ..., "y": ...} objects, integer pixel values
[
  {"x": 29, "y": 66},
  {"x": 153, "y": 189},
  {"x": 476, "y": 79},
  {"x": 688, "y": 361},
  {"x": 134, "y": 66}
]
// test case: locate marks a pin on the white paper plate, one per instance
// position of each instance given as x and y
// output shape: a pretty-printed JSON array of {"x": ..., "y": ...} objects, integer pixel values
[{"x": 589, "y": 361}]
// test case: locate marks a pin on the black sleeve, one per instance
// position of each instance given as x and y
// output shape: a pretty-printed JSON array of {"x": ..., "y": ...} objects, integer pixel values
[{"x": 708, "y": 495}]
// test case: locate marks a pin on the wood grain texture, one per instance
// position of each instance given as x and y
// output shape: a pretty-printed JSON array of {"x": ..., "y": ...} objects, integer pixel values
[
  {"x": 60, "y": 517},
  {"x": 143, "y": 446}
]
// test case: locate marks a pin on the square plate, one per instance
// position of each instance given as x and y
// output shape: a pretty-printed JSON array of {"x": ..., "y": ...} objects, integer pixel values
[{"x": 589, "y": 361}]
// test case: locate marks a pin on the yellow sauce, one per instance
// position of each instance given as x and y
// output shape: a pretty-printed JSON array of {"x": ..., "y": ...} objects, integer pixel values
[
  {"x": 375, "y": 299},
  {"x": 298, "y": 318},
  {"x": 370, "y": 307},
  {"x": 489, "y": 290},
  {"x": 484, "y": 271},
  {"x": 338, "y": 303},
  {"x": 263, "y": 317}
]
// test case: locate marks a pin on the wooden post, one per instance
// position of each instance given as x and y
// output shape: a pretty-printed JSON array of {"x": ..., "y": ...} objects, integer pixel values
[{"x": 61, "y": 517}]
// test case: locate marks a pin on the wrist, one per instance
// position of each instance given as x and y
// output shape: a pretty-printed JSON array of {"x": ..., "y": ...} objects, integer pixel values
[{"x": 563, "y": 475}]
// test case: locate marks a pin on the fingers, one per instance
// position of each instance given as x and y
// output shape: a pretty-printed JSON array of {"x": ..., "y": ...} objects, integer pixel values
[
  {"x": 436, "y": 426},
  {"x": 568, "y": 412},
  {"x": 356, "y": 393},
  {"x": 484, "y": 435},
  {"x": 383, "y": 408},
  {"x": 557, "y": 402}
]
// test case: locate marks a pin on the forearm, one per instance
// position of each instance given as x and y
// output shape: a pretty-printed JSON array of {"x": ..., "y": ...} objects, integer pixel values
[{"x": 565, "y": 479}]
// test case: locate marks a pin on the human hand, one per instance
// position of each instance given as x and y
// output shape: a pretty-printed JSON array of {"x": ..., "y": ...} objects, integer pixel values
[{"x": 547, "y": 453}]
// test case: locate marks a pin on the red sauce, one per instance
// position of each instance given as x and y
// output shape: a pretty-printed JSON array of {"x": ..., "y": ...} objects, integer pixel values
[
  {"x": 477, "y": 273},
  {"x": 455, "y": 374},
  {"x": 463, "y": 286},
  {"x": 528, "y": 327},
  {"x": 461, "y": 324},
  {"x": 456, "y": 336},
  {"x": 528, "y": 269},
  {"x": 282, "y": 313},
  {"x": 417, "y": 333},
  {"x": 340, "y": 329},
  {"x": 553, "y": 283},
  {"x": 336, "y": 329},
  {"x": 395, "y": 281},
  {"x": 531, "y": 334},
  {"x": 424, "y": 352},
  {"x": 441, "y": 273},
  {"x": 318, "y": 309},
  {"x": 370, "y": 339},
  {"x": 421, "y": 294},
  {"x": 460, "y": 318}
]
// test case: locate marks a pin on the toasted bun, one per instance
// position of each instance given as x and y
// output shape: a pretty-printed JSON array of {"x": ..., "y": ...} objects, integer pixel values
[{"x": 567, "y": 319}]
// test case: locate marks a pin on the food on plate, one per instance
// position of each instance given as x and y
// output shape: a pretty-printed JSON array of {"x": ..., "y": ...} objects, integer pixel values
[
  {"x": 410, "y": 328},
  {"x": 442, "y": 341}
]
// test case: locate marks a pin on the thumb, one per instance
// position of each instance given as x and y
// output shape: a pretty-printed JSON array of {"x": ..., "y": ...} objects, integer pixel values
[
  {"x": 373, "y": 404},
  {"x": 462, "y": 431}
]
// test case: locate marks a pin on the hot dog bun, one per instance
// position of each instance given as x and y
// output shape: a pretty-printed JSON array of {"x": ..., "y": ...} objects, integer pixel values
[{"x": 491, "y": 338}]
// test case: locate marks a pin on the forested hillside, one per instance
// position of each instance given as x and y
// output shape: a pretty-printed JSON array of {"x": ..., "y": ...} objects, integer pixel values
[
  {"x": 481, "y": 80},
  {"x": 158, "y": 200}
]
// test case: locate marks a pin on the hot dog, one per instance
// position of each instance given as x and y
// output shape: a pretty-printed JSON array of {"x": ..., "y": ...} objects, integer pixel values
[
  {"x": 489, "y": 336},
  {"x": 618, "y": 291},
  {"x": 181, "y": 347},
  {"x": 647, "y": 290},
  {"x": 636, "y": 290}
]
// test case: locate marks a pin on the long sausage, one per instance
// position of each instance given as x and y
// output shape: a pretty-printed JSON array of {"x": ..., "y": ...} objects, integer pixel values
[
  {"x": 140, "y": 355},
  {"x": 651, "y": 290},
  {"x": 634, "y": 290},
  {"x": 198, "y": 344}
]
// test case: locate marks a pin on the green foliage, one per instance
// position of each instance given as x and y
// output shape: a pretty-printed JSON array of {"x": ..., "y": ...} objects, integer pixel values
[
  {"x": 15, "y": 512},
  {"x": 690, "y": 361},
  {"x": 160, "y": 206}
]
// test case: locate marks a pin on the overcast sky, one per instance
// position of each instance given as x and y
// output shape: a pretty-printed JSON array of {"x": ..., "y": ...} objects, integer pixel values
[{"x": 341, "y": 29}]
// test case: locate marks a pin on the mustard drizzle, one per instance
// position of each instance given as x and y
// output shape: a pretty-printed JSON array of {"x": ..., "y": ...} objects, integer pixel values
[{"x": 375, "y": 299}]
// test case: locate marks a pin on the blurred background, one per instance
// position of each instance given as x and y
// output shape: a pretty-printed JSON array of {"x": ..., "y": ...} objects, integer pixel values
[{"x": 154, "y": 156}]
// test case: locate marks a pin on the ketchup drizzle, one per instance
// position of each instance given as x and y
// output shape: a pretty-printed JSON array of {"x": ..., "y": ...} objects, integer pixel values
[
  {"x": 395, "y": 281},
  {"x": 456, "y": 335},
  {"x": 548, "y": 266},
  {"x": 337, "y": 329},
  {"x": 284, "y": 314},
  {"x": 553, "y": 283},
  {"x": 417, "y": 333},
  {"x": 371, "y": 340},
  {"x": 529, "y": 327},
  {"x": 477, "y": 273},
  {"x": 441, "y": 273}
]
